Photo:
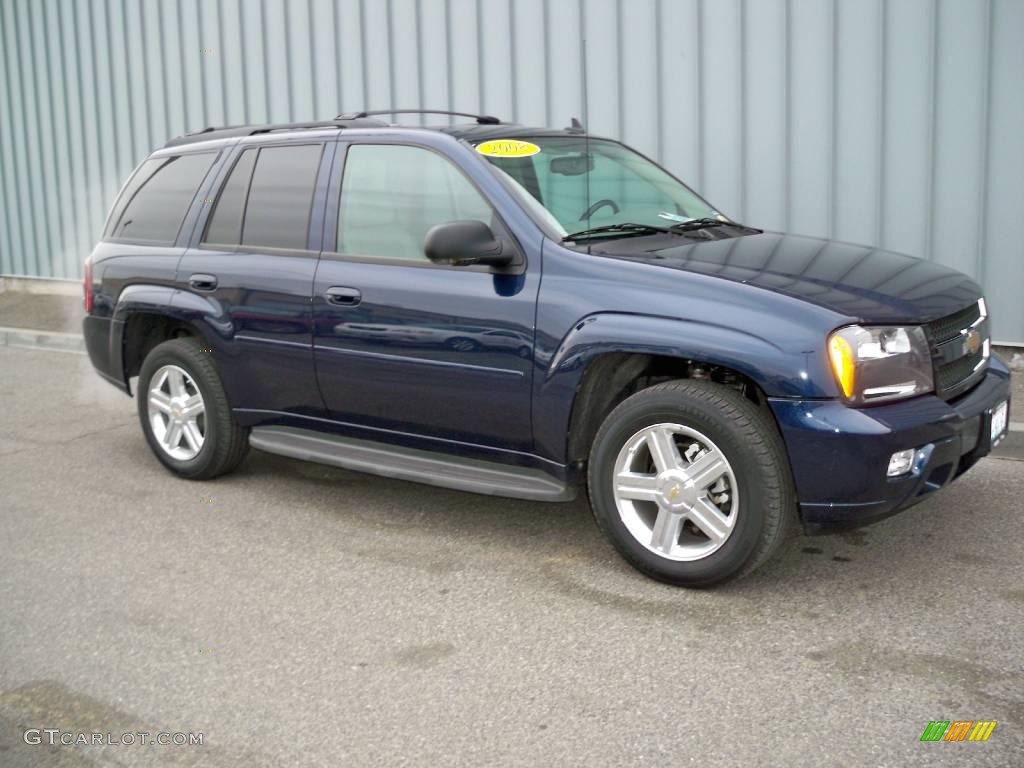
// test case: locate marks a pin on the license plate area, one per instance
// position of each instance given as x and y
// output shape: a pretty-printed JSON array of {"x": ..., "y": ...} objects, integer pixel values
[{"x": 999, "y": 422}]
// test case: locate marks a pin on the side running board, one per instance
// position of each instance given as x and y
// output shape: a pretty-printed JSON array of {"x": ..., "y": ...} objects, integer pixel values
[{"x": 411, "y": 464}]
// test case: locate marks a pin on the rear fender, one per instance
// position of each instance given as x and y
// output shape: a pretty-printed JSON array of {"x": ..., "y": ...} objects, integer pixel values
[{"x": 162, "y": 300}]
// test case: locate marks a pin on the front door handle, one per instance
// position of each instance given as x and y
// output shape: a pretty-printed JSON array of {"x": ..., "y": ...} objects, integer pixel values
[
  {"x": 342, "y": 296},
  {"x": 203, "y": 282}
]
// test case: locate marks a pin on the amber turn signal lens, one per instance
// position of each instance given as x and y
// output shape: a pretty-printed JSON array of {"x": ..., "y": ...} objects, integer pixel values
[{"x": 843, "y": 363}]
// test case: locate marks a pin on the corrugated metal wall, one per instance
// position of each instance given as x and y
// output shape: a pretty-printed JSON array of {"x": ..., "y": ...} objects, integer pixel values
[{"x": 898, "y": 122}]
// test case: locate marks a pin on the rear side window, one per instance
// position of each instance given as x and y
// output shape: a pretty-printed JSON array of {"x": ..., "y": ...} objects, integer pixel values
[
  {"x": 155, "y": 201},
  {"x": 266, "y": 201}
]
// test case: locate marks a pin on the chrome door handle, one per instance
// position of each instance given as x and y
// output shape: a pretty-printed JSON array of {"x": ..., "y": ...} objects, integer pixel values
[
  {"x": 342, "y": 296},
  {"x": 203, "y": 282}
]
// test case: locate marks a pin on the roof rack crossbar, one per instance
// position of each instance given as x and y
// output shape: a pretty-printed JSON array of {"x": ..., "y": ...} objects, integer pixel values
[{"x": 481, "y": 119}]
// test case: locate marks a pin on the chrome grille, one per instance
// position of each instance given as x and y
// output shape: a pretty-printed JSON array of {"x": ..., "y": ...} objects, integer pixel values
[
  {"x": 957, "y": 366},
  {"x": 950, "y": 375},
  {"x": 946, "y": 328}
]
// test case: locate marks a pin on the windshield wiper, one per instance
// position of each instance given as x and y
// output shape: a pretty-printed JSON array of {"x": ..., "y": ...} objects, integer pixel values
[
  {"x": 692, "y": 224},
  {"x": 626, "y": 228}
]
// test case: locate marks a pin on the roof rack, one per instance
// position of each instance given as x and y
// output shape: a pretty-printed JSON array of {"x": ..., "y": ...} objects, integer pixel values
[
  {"x": 481, "y": 119},
  {"x": 210, "y": 133}
]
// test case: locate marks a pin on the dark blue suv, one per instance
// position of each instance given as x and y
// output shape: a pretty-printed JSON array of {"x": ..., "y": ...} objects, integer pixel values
[{"x": 523, "y": 312}]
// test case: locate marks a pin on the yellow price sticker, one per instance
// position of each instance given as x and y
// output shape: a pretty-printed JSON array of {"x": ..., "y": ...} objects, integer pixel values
[{"x": 507, "y": 148}]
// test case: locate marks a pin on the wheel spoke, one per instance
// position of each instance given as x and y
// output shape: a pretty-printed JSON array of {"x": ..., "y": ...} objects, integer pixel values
[
  {"x": 637, "y": 487},
  {"x": 707, "y": 469},
  {"x": 666, "y": 531},
  {"x": 193, "y": 407},
  {"x": 160, "y": 381},
  {"x": 172, "y": 438},
  {"x": 663, "y": 449},
  {"x": 192, "y": 436},
  {"x": 177, "y": 383},
  {"x": 706, "y": 516},
  {"x": 160, "y": 401}
]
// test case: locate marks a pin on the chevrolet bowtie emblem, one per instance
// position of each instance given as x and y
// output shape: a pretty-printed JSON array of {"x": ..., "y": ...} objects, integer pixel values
[
  {"x": 972, "y": 342},
  {"x": 673, "y": 493}
]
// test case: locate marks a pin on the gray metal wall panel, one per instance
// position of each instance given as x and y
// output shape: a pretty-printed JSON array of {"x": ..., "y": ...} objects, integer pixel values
[
  {"x": 893, "y": 122},
  {"x": 1002, "y": 265}
]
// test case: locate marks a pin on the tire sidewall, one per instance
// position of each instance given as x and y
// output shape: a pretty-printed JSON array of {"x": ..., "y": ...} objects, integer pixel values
[{"x": 668, "y": 407}]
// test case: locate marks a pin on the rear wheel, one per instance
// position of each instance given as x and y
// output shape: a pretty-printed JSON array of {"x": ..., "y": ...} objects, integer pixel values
[
  {"x": 185, "y": 413},
  {"x": 690, "y": 482}
]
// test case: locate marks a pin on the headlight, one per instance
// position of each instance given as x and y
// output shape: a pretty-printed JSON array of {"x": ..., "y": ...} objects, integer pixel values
[{"x": 874, "y": 364}]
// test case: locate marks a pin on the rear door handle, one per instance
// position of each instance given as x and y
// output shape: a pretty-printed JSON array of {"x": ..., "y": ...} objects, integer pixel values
[
  {"x": 203, "y": 282},
  {"x": 342, "y": 296}
]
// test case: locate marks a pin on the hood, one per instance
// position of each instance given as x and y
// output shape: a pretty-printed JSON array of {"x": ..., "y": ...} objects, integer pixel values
[{"x": 868, "y": 284}]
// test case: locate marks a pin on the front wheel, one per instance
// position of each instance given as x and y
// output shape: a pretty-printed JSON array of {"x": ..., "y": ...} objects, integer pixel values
[
  {"x": 185, "y": 413},
  {"x": 690, "y": 482}
]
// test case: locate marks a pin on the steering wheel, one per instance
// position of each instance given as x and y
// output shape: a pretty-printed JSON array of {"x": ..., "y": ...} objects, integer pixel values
[{"x": 598, "y": 206}]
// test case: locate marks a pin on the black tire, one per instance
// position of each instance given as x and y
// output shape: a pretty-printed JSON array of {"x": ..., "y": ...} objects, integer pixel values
[
  {"x": 225, "y": 442},
  {"x": 753, "y": 447}
]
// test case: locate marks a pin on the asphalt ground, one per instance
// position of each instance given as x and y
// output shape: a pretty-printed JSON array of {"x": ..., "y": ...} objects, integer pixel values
[{"x": 298, "y": 615}]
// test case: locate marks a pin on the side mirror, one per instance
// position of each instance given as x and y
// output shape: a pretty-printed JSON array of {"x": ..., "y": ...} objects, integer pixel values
[{"x": 462, "y": 243}]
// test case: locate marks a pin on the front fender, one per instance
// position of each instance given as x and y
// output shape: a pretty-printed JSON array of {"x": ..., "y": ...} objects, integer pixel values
[{"x": 778, "y": 371}]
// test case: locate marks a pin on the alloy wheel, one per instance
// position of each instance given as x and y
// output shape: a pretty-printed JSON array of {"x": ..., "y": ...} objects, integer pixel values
[
  {"x": 177, "y": 414},
  {"x": 675, "y": 492}
]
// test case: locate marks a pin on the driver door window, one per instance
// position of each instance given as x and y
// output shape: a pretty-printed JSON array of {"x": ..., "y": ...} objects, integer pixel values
[{"x": 392, "y": 194}]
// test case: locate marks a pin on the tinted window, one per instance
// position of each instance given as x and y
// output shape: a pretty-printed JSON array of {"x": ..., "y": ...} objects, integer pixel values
[
  {"x": 392, "y": 194},
  {"x": 157, "y": 198},
  {"x": 225, "y": 225},
  {"x": 280, "y": 196}
]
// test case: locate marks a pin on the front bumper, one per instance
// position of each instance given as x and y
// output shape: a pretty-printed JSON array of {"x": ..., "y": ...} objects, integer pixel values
[{"x": 839, "y": 455}]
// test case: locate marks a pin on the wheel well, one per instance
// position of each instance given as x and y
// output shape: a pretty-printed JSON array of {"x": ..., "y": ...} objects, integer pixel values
[
  {"x": 614, "y": 376},
  {"x": 143, "y": 331}
]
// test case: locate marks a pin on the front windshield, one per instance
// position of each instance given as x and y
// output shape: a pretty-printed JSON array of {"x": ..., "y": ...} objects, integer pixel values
[{"x": 625, "y": 187}]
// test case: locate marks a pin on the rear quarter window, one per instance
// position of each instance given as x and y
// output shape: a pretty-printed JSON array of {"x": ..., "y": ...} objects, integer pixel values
[{"x": 156, "y": 199}]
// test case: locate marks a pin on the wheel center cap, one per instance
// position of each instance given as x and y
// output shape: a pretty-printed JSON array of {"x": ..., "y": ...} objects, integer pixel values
[{"x": 676, "y": 492}]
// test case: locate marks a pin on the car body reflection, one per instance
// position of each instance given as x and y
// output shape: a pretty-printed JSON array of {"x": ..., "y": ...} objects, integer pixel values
[{"x": 461, "y": 338}]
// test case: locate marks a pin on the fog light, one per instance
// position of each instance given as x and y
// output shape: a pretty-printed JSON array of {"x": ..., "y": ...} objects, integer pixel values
[{"x": 900, "y": 463}]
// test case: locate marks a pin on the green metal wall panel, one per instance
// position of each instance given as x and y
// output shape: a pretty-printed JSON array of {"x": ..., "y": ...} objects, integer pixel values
[{"x": 890, "y": 122}]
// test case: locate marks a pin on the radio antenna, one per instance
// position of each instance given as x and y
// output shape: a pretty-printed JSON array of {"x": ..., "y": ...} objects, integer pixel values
[{"x": 586, "y": 131}]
